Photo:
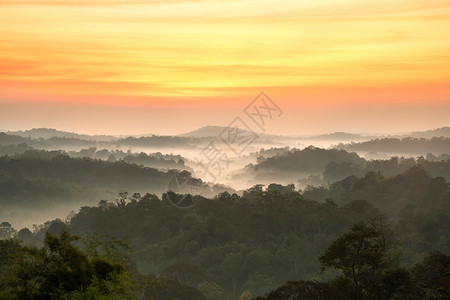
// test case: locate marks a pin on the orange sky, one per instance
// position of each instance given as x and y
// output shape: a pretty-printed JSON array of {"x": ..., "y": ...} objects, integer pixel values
[{"x": 323, "y": 62}]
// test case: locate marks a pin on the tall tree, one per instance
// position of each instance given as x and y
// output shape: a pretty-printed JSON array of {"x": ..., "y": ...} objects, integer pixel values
[{"x": 361, "y": 256}]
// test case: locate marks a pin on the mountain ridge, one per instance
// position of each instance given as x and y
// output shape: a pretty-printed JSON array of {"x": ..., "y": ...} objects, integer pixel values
[{"x": 214, "y": 131}]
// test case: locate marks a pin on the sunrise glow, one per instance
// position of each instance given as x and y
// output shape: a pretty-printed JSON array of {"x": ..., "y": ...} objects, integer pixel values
[{"x": 165, "y": 53}]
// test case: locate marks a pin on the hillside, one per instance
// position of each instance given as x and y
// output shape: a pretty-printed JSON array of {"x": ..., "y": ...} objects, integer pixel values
[
  {"x": 47, "y": 133},
  {"x": 406, "y": 146},
  {"x": 438, "y": 132}
]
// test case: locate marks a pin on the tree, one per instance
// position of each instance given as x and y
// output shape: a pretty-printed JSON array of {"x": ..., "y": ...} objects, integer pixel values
[
  {"x": 185, "y": 274},
  {"x": 258, "y": 284},
  {"x": 188, "y": 276},
  {"x": 24, "y": 235},
  {"x": 299, "y": 290},
  {"x": 22, "y": 271},
  {"x": 171, "y": 290},
  {"x": 233, "y": 271},
  {"x": 61, "y": 270},
  {"x": 246, "y": 295},
  {"x": 361, "y": 255},
  {"x": 6, "y": 230},
  {"x": 211, "y": 291},
  {"x": 432, "y": 276},
  {"x": 55, "y": 227},
  {"x": 68, "y": 267}
]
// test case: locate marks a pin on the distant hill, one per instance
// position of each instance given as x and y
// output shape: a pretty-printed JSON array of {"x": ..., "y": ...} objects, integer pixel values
[
  {"x": 407, "y": 145},
  {"x": 42, "y": 143},
  {"x": 346, "y": 136},
  {"x": 47, "y": 133},
  {"x": 206, "y": 131},
  {"x": 215, "y": 131},
  {"x": 438, "y": 132},
  {"x": 310, "y": 160},
  {"x": 290, "y": 166},
  {"x": 341, "y": 136},
  {"x": 9, "y": 139}
]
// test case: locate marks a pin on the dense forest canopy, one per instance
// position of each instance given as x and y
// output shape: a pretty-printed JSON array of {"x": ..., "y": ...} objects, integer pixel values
[
  {"x": 407, "y": 145},
  {"x": 258, "y": 241},
  {"x": 293, "y": 234},
  {"x": 317, "y": 166}
]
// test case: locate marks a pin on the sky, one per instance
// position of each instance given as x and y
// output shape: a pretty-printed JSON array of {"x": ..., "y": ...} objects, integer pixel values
[{"x": 166, "y": 67}]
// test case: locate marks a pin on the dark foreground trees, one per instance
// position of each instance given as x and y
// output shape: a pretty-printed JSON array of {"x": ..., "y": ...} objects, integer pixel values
[
  {"x": 362, "y": 256},
  {"x": 369, "y": 270},
  {"x": 61, "y": 270},
  {"x": 432, "y": 276},
  {"x": 301, "y": 290},
  {"x": 250, "y": 244}
]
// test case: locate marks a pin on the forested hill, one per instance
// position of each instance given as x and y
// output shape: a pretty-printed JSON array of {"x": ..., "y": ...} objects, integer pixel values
[
  {"x": 438, "y": 132},
  {"x": 46, "y": 177},
  {"x": 289, "y": 166},
  {"x": 408, "y": 145},
  {"x": 308, "y": 160},
  {"x": 71, "y": 142},
  {"x": 316, "y": 166},
  {"x": 257, "y": 241},
  {"x": 414, "y": 189},
  {"x": 46, "y": 133},
  {"x": 60, "y": 176},
  {"x": 61, "y": 142}
]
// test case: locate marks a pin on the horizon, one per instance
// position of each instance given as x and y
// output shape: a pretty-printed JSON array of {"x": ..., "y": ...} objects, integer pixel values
[{"x": 303, "y": 135}]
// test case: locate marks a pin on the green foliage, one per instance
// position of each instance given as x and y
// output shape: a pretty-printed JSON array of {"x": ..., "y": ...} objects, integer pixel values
[
  {"x": 361, "y": 254},
  {"x": 25, "y": 235},
  {"x": 6, "y": 230},
  {"x": 258, "y": 284},
  {"x": 25, "y": 176},
  {"x": 414, "y": 188},
  {"x": 299, "y": 290},
  {"x": 270, "y": 236},
  {"x": 211, "y": 291},
  {"x": 259, "y": 240},
  {"x": 369, "y": 270},
  {"x": 273, "y": 234},
  {"x": 246, "y": 295},
  {"x": 22, "y": 271},
  {"x": 432, "y": 276},
  {"x": 61, "y": 270},
  {"x": 322, "y": 167}
]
